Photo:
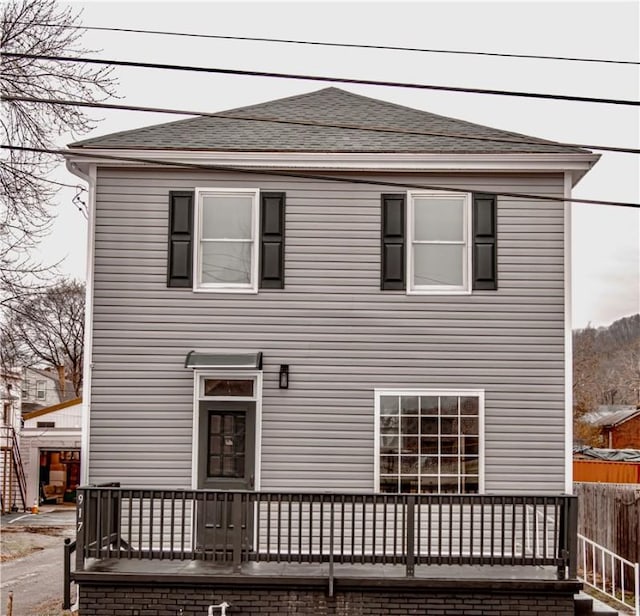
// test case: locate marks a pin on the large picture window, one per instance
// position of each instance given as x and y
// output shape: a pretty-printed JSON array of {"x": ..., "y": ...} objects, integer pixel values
[
  {"x": 429, "y": 441},
  {"x": 227, "y": 234},
  {"x": 439, "y": 232}
]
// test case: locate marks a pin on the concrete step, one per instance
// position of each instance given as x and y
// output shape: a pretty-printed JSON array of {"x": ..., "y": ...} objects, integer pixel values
[{"x": 586, "y": 605}]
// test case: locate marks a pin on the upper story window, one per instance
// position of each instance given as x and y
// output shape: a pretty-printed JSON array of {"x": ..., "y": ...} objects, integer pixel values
[
  {"x": 226, "y": 240},
  {"x": 439, "y": 242},
  {"x": 41, "y": 390}
]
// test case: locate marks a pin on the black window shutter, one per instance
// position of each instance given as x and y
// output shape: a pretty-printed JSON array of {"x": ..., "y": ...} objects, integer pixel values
[
  {"x": 272, "y": 207},
  {"x": 180, "y": 250},
  {"x": 392, "y": 261},
  {"x": 485, "y": 256}
]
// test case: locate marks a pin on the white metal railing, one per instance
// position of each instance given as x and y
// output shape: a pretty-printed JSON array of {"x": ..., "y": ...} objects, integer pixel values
[{"x": 609, "y": 573}]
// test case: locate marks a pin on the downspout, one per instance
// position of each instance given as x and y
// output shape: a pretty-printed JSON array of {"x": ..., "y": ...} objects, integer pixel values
[{"x": 90, "y": 178}]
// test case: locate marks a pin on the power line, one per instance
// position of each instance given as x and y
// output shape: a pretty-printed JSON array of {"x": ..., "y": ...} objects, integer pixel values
[
  {"x": 311, "y": 176},
  {"x": 321, "y": 78},
  {"x": 375, "y": 129},
  {"x": 261, "y": 39}
]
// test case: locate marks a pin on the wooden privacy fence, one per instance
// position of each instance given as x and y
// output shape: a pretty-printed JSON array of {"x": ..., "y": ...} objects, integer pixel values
[
  {"x": 386, "y": 529},
  {"x": 609, "y": 514}
]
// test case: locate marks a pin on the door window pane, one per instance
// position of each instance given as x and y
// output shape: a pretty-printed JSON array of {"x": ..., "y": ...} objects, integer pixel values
[{"x": 226, "y": 451}]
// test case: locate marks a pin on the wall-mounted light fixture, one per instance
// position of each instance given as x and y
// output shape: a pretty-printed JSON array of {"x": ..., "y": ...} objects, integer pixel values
[{"x": 283, "y": 382}]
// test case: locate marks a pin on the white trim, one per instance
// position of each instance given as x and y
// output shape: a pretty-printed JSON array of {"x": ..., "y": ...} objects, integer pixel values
[
  {"x": 198, "y": 376},
  {"x": 252, "y": 287},
  {"x": 91, "y": 178},
  {"x": 479, "y": 393},
  {"x": 568, "y": 341},
  {"x": 465, "y": 288},
  {"x": 577, "y": 163}
]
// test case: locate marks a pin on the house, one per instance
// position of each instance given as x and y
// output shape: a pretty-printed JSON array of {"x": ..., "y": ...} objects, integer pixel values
[
  {"x": 41, "y": 389},
  {"x": 50, "y": 442},
  {"x": 328, "y": 368},
  {"x": 619, "y": 425}
]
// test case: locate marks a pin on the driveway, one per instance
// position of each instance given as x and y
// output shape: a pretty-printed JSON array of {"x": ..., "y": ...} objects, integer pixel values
[{"x": 32, "y": 560}]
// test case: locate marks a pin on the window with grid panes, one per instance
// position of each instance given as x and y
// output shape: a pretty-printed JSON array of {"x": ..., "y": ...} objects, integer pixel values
[{"x": 429, "y": 443}]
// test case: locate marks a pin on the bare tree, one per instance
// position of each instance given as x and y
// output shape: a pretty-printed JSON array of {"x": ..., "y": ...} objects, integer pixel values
[
  {"x": 39, "y": 27},
  {"x": 47, "y": 329}
]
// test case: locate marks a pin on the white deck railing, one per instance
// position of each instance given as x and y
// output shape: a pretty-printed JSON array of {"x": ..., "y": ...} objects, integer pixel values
[{"x": 609, "y": 573}]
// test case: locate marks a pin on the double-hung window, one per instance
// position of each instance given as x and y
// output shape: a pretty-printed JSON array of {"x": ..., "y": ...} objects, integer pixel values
[
  {"x": 225, "y": 251},
  {"x": 41, "y": 390},
  {"x": 439, "y": 242}
]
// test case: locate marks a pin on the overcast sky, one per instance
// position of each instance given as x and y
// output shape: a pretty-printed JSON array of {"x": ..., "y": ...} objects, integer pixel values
[{"x": 606, "y": 240}]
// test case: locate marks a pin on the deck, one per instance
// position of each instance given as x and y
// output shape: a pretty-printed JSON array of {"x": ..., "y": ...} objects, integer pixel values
[{"x": 250, "y": 532}]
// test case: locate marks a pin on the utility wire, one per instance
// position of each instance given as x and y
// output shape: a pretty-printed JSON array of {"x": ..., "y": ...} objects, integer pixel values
[
  {"x": 375, "y": 129},
  {"x": 261, "y": 39},
  {"x": 321, "y": 78},
  {"x": 310, "y": 176}
]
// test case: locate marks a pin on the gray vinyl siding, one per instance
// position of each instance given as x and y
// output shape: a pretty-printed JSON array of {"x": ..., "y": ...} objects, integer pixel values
[{"x": 341, "y": 335}]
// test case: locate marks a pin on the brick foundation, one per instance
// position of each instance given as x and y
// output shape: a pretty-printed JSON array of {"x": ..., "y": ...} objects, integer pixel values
[{"x": 149, "y": 600}]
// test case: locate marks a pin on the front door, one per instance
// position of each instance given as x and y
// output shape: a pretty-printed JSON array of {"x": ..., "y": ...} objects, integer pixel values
[
  {"x": 226, "y": 458},
  {"x": 226, "y": 462}
]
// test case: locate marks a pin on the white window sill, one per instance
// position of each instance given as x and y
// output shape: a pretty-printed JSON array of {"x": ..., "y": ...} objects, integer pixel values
[
  {"x": 225, "y": 290},
  {"x": 439, "y": 292}
]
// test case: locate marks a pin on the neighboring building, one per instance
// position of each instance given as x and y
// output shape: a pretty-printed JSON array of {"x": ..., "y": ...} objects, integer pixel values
[
  {"x": 41, "y": 389},
  {"x": 619, "y": 425},
  {"x": 50, "y": 444},
  {"x": 12, "y": 487},
  {"x": 285, "y": 369}
]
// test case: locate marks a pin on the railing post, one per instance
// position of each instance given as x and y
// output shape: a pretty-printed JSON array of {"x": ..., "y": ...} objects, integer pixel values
[
  {"x": 66, "y": 590},
  {"x": 572, "y": 539},
  {"x": 236, "y": 521},
  {"x": 80, "y": 527},
  {"x": 411, "y": 536}
]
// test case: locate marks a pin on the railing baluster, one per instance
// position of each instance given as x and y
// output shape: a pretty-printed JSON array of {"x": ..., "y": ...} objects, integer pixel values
[
  {"x": 471, "y": 530},
  {"x": 109, "y": 521},
  {"x": 98, "y": 531},
  {"x": 450, "y": 555},
  {"x": 279, "y": 528},
  {"x": 364, "y": 527},
  {"x": 183, "y": 514},
  {"x": 268, "y": 526},
  {"x": 460, "y": 529},
  {"x": 151, "y": 508},
  {"x": 140, "y": 500},
  {"x": 289, "y": 528},
  {"x": 161, "y": 524},
  {"x": 310, "y": 539},
  {"x": 385, "y": 502},
  {"x": 419, "y": 530},
  {"x": 172, "y": 526},
  {"x": 342, "y": 528}
]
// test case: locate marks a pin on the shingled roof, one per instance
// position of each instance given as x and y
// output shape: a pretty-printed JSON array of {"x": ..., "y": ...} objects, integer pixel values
[{"x": 326, "y": 106}]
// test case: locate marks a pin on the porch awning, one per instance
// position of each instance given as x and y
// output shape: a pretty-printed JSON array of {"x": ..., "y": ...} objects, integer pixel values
[{"x": 247, "y": 361}]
